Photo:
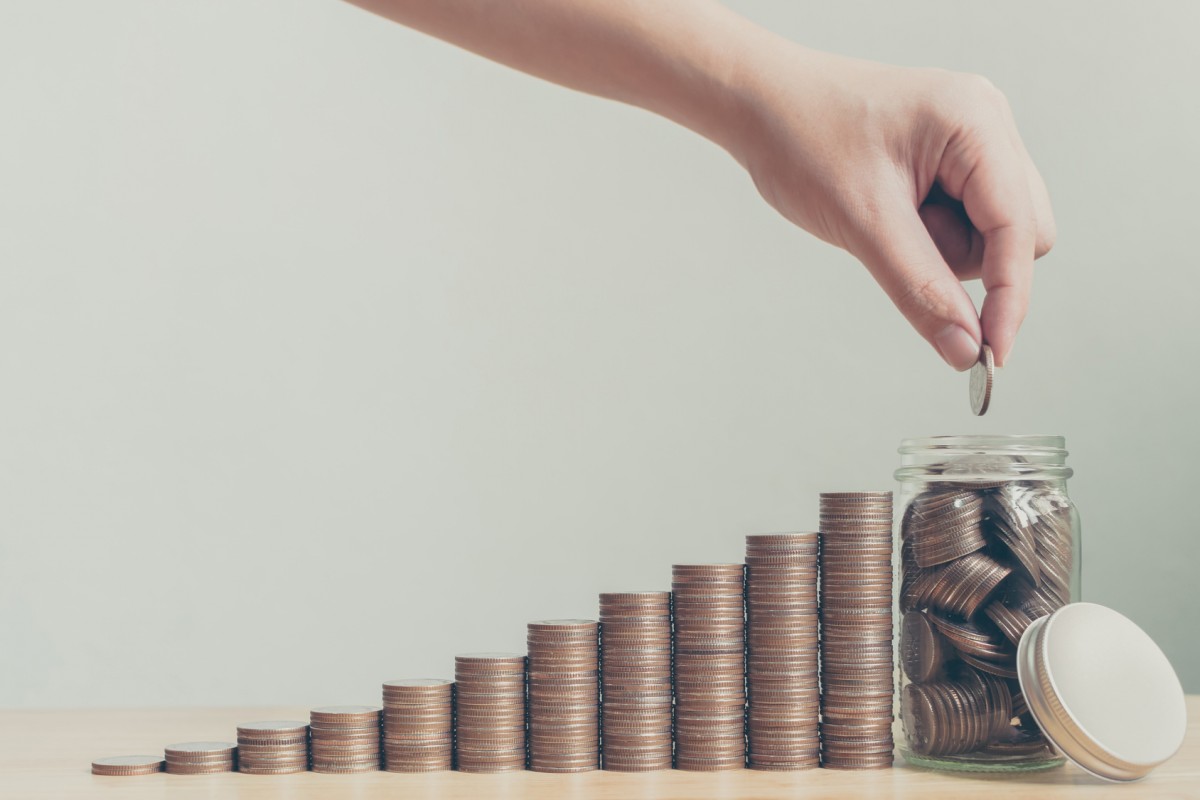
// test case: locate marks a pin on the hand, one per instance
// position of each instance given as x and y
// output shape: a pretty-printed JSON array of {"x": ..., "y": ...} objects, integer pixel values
[{"x": 919, "y": 173}]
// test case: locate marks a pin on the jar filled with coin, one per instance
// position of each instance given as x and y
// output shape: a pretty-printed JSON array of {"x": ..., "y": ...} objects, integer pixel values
[{"x": 989, "y": 542}]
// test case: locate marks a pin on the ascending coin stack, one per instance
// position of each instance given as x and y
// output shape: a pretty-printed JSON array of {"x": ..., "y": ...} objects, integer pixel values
[
  {"x": 418, "y": 725},
  {"x": 635, "y": 641},
  {"x": 564, "y": 695},
  {"x": 490, "y": 712},
  {"x": 198, "y": 758},
  {"x": 781, "y": 612},
  {"x": 345, "y": 738},
  {"x": 275, "y": 747},
  {"x": 710, "y": 666},
  {"x": 856, "y": 630}
]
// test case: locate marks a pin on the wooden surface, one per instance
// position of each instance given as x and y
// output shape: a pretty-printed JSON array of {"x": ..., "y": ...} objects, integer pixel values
[{"x": 48, "y": 754}]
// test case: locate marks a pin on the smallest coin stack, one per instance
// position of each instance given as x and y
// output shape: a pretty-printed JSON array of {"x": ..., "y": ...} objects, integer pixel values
[
  {"x": 275, "y": 747},
  {"x": 857, "y": 682},
  {"x": 196, "y": 758},
  {"x": 417, "y": 725},
  {"x": 127, "y": 765},
  {"x": 345, "y": 738}
]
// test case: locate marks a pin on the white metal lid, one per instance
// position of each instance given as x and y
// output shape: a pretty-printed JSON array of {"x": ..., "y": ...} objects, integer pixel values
[{"x": 1102, "y": 691}]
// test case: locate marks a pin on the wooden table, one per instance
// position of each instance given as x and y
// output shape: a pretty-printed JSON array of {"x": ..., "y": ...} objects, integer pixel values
[{"x": 47, "y": 754}]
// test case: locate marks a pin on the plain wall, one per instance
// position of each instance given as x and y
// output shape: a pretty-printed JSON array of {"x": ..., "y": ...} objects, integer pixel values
[{"x": 329, "y": 350}]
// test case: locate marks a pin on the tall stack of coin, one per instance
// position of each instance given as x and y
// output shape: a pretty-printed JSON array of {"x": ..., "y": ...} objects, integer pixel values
[
  {"x": 781, "y": 614},
  {"x": 490, "y": 712},
  {"x": 564, "y": 695},
  {"x": 345, "y": 738},
  {"x": 710, "y": 666},
  {"x": 196, "y": 758},
  {"x": 856, "y": 630},
  {"x": 127, "y": 765},
  {"x": 418, "y": 725},
  {"x": 635, "y": 639},
  {"x": 982, "y": 560},
  {"x": 274, "y": 747}
]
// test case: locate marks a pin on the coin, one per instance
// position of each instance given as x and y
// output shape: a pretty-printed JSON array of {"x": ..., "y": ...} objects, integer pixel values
[
  {"x": 982, "y": 375},
  {"x": 272, "y": 747},
  {"x": 855, "y": 610},
  {"x": 491, "y": 711},
  {"x": 127, "y": 765},
  {"x": 783, "y": 704},
  {"x": 980, "y": 603},
  {"x": 345, "y": 738},
  {"x": 418, "y": 724}
]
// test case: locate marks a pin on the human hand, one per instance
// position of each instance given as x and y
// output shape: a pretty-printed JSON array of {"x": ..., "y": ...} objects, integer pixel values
[{"x": 919, "y": 173}]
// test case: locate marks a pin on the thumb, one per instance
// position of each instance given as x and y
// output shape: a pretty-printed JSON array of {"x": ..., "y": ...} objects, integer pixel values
[{"x": 904, "y": 260}]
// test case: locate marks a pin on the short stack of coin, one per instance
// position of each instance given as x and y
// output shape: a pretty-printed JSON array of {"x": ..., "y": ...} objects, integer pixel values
[
  {"x": 274, "y": 747},
  {"x": 710, "y": 666},
  {"x": 982, "y": 560},
  {"x": 564, "y": 695},
  {"x": 345, "y": 738},
  {"x": 196, "y": 758},
  {"x": 490, "y": 718},
  {"x": 635, "y": 639},
  {"x": 127, "y": 765},
  {"x": 856, "y": 630},
  {"x": 781, "y": 613},
  {"x": 418, "y": 725}
]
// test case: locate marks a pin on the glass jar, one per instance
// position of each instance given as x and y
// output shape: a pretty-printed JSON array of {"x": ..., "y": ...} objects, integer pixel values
[{"x": 988, "y": 542}]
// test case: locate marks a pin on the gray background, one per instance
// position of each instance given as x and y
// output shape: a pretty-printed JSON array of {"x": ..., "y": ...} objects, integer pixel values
[{"x": 329, "y": 350}]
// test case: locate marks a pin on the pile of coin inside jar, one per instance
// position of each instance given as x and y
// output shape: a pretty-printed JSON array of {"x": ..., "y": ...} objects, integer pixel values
[{"x": 979, "y": 563}]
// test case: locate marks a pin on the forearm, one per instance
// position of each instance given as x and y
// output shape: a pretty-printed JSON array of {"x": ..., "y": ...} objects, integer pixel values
[{"x": 682, "y": 59}]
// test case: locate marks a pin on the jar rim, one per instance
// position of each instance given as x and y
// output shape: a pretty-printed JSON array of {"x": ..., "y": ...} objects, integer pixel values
[{"x": 1025, "y": 443}]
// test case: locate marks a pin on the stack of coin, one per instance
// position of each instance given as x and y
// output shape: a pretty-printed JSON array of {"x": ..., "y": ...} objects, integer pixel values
[
  {"x": 127, "y": 765},
  {"x": 781, "y": 612},
  {"x": 981, "y": 561},
  {"x": 710, "y": 666},
  {"x": 490, "y": 712},
  {"x": 345, "y": 738},
  {"x": 950, "y": 716},
  {"x": 856, "y": 630},
  {"x": 564, "y": 695},
  {"x": 635, "y": 639},
  {"x": 195, "y": 758},
  {"x": 418, "y": 725},
  {"x": 274, "y": 747}
]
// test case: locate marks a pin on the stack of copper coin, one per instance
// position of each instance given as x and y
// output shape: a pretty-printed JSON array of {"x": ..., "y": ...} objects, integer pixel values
[
  {"x": 980, "y": 562},
  {"x": 710, "y": 666},
  {"x": 418, "y": 725},
  {"x": 962, "y": 714},
  {"x": 345, "y": 738},
  {"x": 490, "y": 712},
  {"x": 635, "y": 637},
  {"x": 781, "y": 613},
  {"x": 856, "y": 630},
  {"x": 275, "y": 747},
  {"x": 564, "y": 695},
  {"x": 127, "y": 765},
  {"x": 196, "y": 758}
]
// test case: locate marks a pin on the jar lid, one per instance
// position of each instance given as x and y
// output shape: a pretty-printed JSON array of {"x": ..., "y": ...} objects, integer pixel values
[{"x": 1102, "y": 691}]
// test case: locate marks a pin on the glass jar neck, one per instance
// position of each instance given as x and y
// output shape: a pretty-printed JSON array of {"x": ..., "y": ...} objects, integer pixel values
[{"x": 983, "y": 457}]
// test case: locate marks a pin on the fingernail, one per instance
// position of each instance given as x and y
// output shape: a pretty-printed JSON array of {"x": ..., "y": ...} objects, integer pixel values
[{"x": 958, "y": 348}]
